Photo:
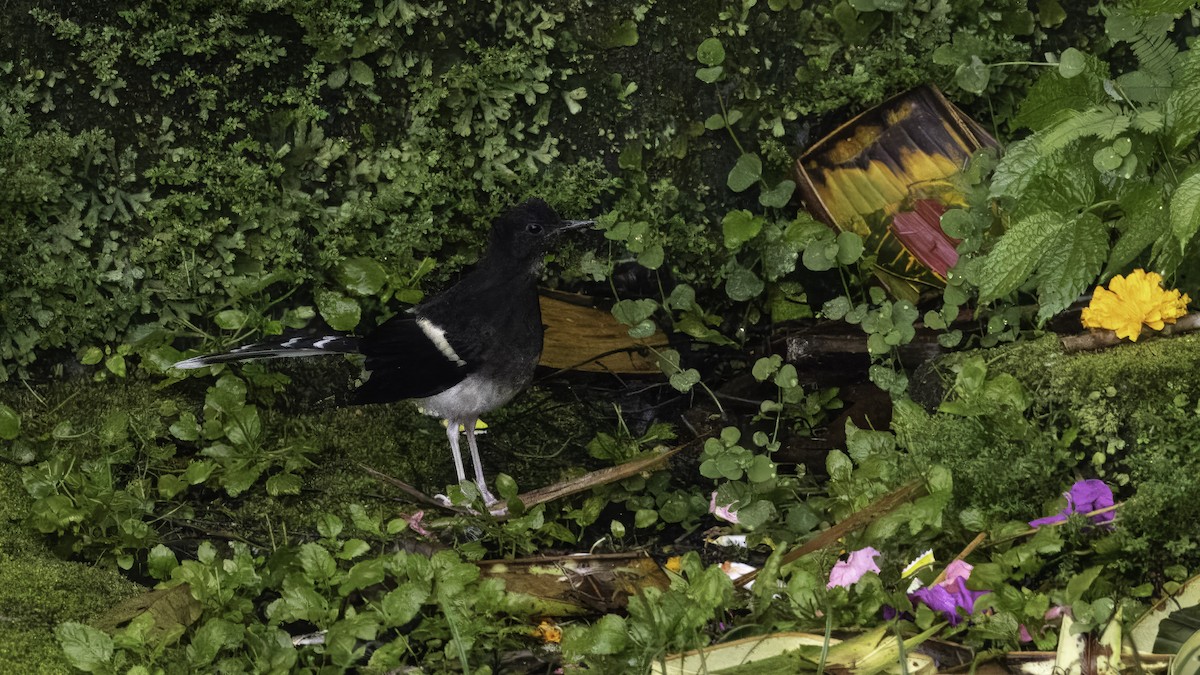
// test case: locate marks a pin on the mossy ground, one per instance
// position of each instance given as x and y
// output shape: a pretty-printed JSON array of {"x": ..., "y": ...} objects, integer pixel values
[
  {"x": 1127, "y": 415},
  {"x": 538, "y": 439}
]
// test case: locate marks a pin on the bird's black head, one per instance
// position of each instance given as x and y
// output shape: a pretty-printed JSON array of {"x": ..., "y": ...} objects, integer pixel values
[{"x": 524, "y": 232}]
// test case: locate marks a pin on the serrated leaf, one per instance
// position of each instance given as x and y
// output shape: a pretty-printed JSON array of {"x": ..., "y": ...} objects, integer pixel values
[
  {"x": 1183, "y": 105},
  {"x": 1185, "y": 209},
  {"x": 1142, "y": 224},
  {"x": 745, "y": 172},
  {"x": 1103, "y": 122},
  {"x": 86, "y": 648},
  {"x": 1018, "y": 252},
  {"x": 1072, "y": 263}
]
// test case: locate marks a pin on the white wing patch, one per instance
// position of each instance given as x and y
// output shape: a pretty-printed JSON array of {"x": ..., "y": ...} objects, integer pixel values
[{"x": 438, "y": 337}]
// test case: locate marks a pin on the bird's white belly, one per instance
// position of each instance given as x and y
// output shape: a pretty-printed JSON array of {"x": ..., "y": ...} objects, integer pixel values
[{"x": 469, "y": 399}]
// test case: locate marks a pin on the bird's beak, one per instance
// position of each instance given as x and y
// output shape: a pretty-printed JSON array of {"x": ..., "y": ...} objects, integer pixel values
[{"x": 568, "y": 225}]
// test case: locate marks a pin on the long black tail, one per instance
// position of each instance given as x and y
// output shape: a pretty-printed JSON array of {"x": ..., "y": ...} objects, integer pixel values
[{"x": 278, "y": 349}]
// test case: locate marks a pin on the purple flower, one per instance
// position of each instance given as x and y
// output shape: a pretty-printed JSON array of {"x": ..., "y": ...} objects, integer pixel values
[
  {"x": 1084, "y": 496},
  {"x": 948, "y": 597},
  {"x": 846, "y": 573}
]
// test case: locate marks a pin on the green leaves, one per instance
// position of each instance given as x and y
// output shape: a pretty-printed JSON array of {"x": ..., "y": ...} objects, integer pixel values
[
  {"x": 10, "y": 423},
  {"x": 739, "y": 227},
  {"x": 86, "y": 648},
  {"x": 711, "y": 53},
  {"x": 1185, "y": 209},
  {"x": 745, "y": 173},
  {"x": 1072, "y": 62},
  {"x": 340, "y": 312},
  {"x": 1066, "y": 252},
  {"x": 361, "y": 276}
]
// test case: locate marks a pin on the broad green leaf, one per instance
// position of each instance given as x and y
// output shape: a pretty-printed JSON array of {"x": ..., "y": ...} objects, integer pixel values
[
  {"x": 1185, "y": 208},
  {"x": 739, "y": 227},
  {"x": 160, "y": 561},
  {"x": 362, "y": 73},
  {"x": 778, "y": 196},
  {"x": 10, "y": 423},
  {"x": 850, "y": 247},
  {"x": 684, "y": 380},
  {"x": 1072, "y": 263},
  {"x": 622, "y": 34},
  {"x": 711, "y": 52},
  {"x": 361, "y": 276},
  {"x": 973, "y": 76},
  {"x": 91, "y": 356},
  {"x": 633, "y": 312},
  {"x": 283, "y": 484},
  {"x": 339, "y": 311},
  {"x": 1018, "y": 252},
  {"x": 743, "y": 284},
  {"x": 230, "y": 319},
  {"x": 86, "y": 648},
  {"x": 318, "y": 564},
  {"x": 1071, "y": 63},
  {"x": 710, "y": 74},
  {"x": 745, "y": 172}
]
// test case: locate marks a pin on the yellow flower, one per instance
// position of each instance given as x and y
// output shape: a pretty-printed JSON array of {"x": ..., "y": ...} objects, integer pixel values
[
  {"x": 1131, "y": 301},
  {"x": 548, "y": 631},
  {"x": 674, "y": 564}
]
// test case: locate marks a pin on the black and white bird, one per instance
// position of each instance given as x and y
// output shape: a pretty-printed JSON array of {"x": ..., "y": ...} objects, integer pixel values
[{"x": 461, "y": 353}]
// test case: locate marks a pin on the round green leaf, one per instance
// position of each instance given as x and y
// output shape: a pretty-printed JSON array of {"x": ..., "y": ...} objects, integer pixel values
[
  {"x": 850, "y": 247},
  {"x": 91, "y": 356},
  {"x": 743, "y": 285},
  {"x": 230, "y": 319},
  {"x": 711, "y": 52},
  {"x": 1107, "y": 159},
  {"x": 340, "y": 312},
  {"x": 739, "y": 227},
  {"x": 777, "y": 197},
  {"x": 745, "y": 173},
  {"x": 973, "y": 76},
  {"x": 10, "y": 423},
  {"x": 362, "y": 73},
  {"x": 361, "y": 276},
  {"x": 710, "y": 74},
  {"x": 1071, "y": 63}
]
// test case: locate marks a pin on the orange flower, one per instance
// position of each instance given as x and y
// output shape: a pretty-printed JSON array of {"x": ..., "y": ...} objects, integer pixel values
[
  {"x": 1134, "y": 300},
  {"x": 548, "y": 631}
]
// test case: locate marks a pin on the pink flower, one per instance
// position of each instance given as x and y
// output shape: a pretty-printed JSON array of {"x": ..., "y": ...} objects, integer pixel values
[
  {"x": 1084, "y": 496},
  {"x": 414, "y": 523},
  {"x": 951, "y": 595},
  {"x": 846, "y": 573},
  {"x": 722, "y": 512}
]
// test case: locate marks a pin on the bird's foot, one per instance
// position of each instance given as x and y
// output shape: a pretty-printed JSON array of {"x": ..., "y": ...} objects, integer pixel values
[{"x": 493, "y": 505}]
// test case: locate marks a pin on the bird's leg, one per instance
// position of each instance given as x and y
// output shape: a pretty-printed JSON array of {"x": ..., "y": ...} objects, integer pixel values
[
  {"x": 452, "y": 434},
  {"x": 488, "y": 497}
]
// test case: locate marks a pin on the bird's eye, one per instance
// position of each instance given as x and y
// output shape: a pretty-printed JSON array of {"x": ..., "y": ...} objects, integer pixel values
[{"x": 533, "y": 228}]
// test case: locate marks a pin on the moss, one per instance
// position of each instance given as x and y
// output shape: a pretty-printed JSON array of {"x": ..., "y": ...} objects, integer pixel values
[
  {"x": 38, "y": 590},
  {"x": 1126, "y": 414}
]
